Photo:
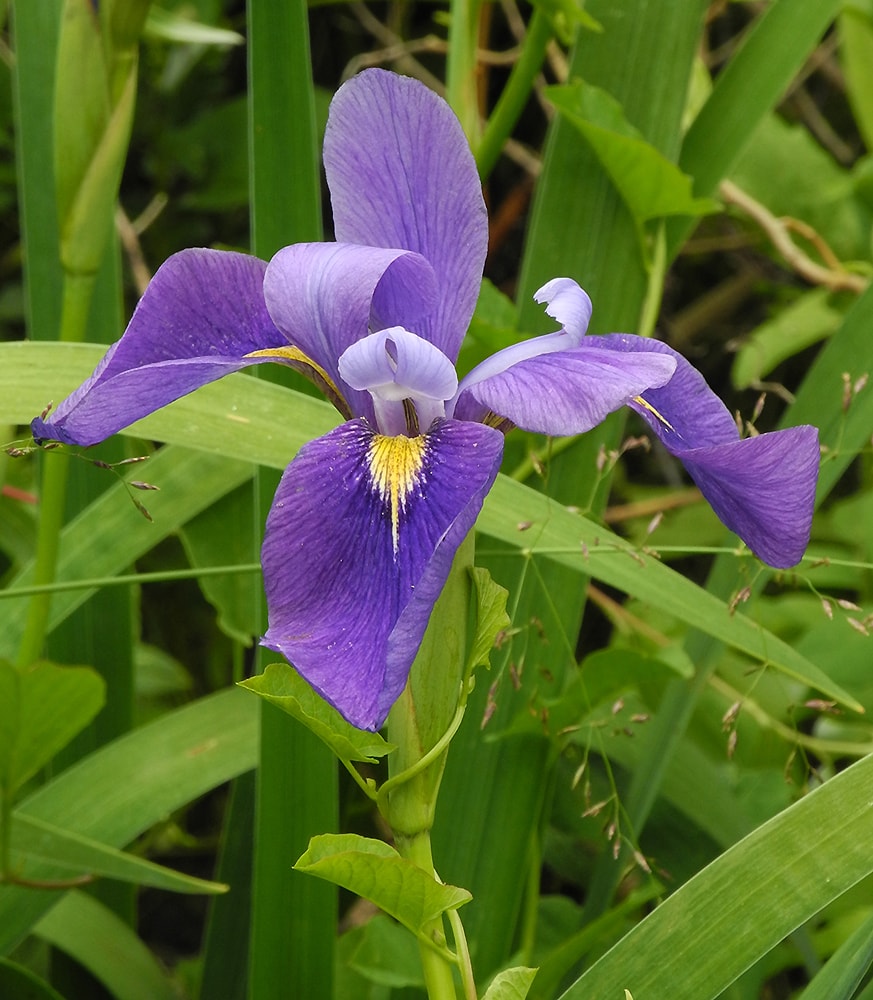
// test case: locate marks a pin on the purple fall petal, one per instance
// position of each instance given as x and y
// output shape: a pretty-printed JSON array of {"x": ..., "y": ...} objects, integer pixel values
[
  {"x": 401, "y": 174},
  {"x": 762, "y": 488},
  {"x": 201, "y": 314},
  {"x": 359, "y": 543}
]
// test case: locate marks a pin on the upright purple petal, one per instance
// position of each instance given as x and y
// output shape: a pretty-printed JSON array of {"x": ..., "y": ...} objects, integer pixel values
[
  {"x": 401, "y": 174},
  {"x": 762, "y": 488},
  {"x": 327, "y": 296},
  {"x": 201, "y": 314},
  {"x": 358, "y": 546}
]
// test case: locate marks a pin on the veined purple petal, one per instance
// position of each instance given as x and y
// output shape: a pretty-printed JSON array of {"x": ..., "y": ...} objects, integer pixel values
[
  {"x": 762, "y": 488},
  {"x": 395, "y": 365},
  {"x": 358, "y": 545},
  {"x": 564, "y": 392},
  {"x": 326, "y": 296},
  {"x": 401, "y": 174},
  {"x": 558, "y": 383},
  {"x": 201, "y": 314}
]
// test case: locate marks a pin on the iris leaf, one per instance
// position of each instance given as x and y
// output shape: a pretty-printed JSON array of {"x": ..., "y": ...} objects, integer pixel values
[
  {"x": 792, "y": 881},
  {"x": 211, "y": 416},
  {"x": 36, "y": 841}
]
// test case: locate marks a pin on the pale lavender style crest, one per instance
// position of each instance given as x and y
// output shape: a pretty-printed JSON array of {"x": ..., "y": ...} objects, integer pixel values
[{"x": 367, "y": 519}]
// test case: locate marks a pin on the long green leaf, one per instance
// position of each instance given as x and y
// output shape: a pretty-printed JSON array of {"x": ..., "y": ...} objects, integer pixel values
[
  {"x": 746, "y": 89},
  {"x": 744, "y": 903},
  {"x": 120, "y": 791},
  {"x": 110, "y": 533},
  {"x": 36, "y": 841},
  {"x": 92, "y": 934},
  {"x": 551, "y": 530}
]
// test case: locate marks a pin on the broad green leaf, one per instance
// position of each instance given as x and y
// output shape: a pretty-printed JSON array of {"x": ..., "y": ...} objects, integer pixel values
[
  {"x": 511, "y": 984},
  {"x": 36, "y": 841},
  {"x": 842, "y": 973},
  {"x": 109, "y": 948},
  {"x": 651, "y": 186},
  {"x": 375, "y": 871},
  {"x": 42, "y": 709},
  {"x": 283, "y": 687},
  {"x": 19, "y": 983},
  {"x": 491, "y": 616},
  {"x": 213, "y": 417},
  {"x": 387, "y": 954},
  {"x": 724, "y": 928},
  {"x": 116, "y": 793},
  {"x": 810, "y": 319}
]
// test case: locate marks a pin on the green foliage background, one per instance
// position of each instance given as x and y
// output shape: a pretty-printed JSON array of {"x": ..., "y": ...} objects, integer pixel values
[{"x": 662, "y": 786}]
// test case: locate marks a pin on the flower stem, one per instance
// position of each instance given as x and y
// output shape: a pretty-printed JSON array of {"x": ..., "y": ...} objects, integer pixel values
[
  {"x": 78, "y": 290},
  {"x": 461, "y": 75},
  {"x": 420, "y": 725},
  {"x": 515, "y": 94}
]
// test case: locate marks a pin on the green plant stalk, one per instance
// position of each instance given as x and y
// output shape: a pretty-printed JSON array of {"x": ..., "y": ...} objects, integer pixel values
[
  {"x": 78, "y": 290},
  {"x": 461, "y": 89},
  {"x": 512, "y": 99},
  {"x": 420, "y": 720}
]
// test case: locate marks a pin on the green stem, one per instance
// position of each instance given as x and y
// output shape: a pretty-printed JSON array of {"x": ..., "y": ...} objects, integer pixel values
[
  {"x": 78, "y": 289},
  {"x": 438, "y": 976},
  {"x": 461, "y": 89},
  {"x": 515, "y": 94}
]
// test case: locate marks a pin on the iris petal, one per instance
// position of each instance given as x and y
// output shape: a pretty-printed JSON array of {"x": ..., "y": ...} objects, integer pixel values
[
  {"x": 326, "y": 296},
  {"x": 401, "y": 174},
  {"x": 359, "y": 543},
  {"x": 201, "y": 314},
  {"x": 762, "y": 488}
]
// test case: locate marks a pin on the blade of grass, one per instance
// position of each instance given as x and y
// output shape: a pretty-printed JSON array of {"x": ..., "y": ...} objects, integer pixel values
[
  {"x": 293, "y": 917},
  {"x": 121, "y": 790},
  {"x": 724, "y": 928}
]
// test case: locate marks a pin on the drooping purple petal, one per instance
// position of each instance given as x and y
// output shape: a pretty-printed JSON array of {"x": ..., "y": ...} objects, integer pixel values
[
  {"x": 358, "y": 545},
  {"x": 201, "y": 314},
  {"x": 395, "y": 365},
  {"x": 401, "y": 174},
  {"x": 762, "y": 488},
  {"x": 326, "y": 296}
]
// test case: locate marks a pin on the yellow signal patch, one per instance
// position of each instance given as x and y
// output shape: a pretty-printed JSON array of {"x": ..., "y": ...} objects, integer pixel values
[
  {"x": 654, "y": 412},
  {"x": 395, "y": 468}
]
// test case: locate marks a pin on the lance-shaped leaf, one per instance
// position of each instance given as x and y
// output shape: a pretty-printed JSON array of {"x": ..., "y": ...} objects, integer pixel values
[
  {"x": 41, "y": 709},
  {"x": 374, "y": 870},
  {"x": 36, "y": 841},
  {"x": 283, "y": 687},
  {"x": 650, "y": 185}
]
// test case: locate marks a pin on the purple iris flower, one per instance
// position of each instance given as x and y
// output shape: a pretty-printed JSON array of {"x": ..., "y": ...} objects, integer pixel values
[{"x": 367, "y": 519}]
